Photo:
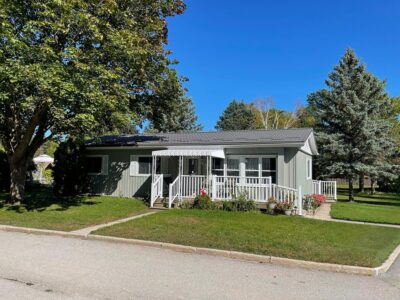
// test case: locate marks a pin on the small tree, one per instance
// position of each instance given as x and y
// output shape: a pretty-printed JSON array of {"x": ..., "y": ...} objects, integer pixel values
[
  {"x": 352, "y": 126},
  {"x": 69, "y": 172}
]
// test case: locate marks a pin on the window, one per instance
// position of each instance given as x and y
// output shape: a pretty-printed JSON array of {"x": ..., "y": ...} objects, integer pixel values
[
  {"x": 96, "y": 164},
  {"x": 232, "y": 167},
  {"x": 268, "y": 168},
  {"x": 143, "y": 165},
  {"x": 217, "y": 166},
  {"x": 251, "y": 167},
  {"x": 309, "y": 169}
]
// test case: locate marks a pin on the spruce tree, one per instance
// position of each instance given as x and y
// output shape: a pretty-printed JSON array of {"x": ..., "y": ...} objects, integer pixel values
[
  {"x": 352, "y": 127},
  {"x": 237, "y": 116}
]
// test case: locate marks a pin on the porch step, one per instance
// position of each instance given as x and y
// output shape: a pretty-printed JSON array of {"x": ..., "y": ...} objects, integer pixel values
[{"x": 161, "y": 203}]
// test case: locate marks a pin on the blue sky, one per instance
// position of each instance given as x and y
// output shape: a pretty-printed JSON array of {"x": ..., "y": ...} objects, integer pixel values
[{"x": 233, "y": 49}]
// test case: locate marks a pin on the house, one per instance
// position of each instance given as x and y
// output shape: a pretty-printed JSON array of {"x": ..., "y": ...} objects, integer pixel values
[{"x": 175, "y": 166}]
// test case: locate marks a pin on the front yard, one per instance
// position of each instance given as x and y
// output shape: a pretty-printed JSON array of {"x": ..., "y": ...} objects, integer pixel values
[
  {"x": 44, "y": 211},
  {"x": 377, "y": 208},
  {"x": 291, "y": 237}
]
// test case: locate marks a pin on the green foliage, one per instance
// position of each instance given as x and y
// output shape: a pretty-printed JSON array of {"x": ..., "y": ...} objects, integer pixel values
[
  {"x": 352, "y": 128},
  {"x": 203, "y": 202},
  {"x": 237, "y": 116},
  {"x": 48, "y": 148},
  {"x": 76, "y": 67},
  {"x": 69, "y": 174},
  {"x": 4, "y": 172},
  {"x": 240, "y": 203}
]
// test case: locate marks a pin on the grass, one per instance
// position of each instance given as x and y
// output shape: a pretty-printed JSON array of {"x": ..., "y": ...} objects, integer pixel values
[
  {"x": 378, "y": 208},
  {"x": 291, "y": 237},
  {"x": 43, "y": 210}
]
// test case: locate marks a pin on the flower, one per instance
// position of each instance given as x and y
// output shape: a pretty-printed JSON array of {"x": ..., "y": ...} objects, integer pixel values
[{"x": 203, "y": 192}]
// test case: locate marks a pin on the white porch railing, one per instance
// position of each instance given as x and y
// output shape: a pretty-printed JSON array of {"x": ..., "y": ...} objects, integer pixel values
[
  {"x": 327, "y": 188},
  {"x": 229, "y": 187},
  {"x": 156, "y": 189},
  {"x": 174, "y": 189},
  {"x": 191, "y": 185}
]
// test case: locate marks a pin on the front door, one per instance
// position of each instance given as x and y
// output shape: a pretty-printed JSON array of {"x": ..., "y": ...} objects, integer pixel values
[{"x": 193, "y": 164}]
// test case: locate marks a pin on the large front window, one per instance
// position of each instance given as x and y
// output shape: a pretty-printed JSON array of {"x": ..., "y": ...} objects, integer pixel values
[
  {"x": 268, "y": 168},
  {"x": 232, "y": 167},
  {"x": 252, "y": 168},
  {"x": 217, "y": 166}
]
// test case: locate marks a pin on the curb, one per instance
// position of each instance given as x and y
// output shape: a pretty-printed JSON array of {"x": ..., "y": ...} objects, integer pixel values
[{"x": 222, "y": 253}]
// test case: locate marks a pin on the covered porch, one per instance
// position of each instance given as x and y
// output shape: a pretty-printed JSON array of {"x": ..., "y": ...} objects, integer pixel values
[{"x": 193, "y": 170}]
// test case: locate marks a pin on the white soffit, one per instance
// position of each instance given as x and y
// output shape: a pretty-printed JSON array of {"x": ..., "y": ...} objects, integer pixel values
[{"x": 219, "y": 153}]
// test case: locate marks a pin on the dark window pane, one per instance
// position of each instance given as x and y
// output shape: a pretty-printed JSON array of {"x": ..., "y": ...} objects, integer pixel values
[
  {"x": 145, "y": 165},
  {"x": 269, "y": 164},
  {"x": 93, "y": 164},
  {"x": 272, "y": 174}
]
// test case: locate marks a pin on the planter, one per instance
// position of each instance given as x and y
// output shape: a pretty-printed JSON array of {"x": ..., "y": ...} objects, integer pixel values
[
  {"x": 288, "y": 212},
  {"x": 271, "y": 206}
]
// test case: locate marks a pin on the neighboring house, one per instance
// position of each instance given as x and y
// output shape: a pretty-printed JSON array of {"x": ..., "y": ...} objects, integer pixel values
[{"x": 175, "y": 166}]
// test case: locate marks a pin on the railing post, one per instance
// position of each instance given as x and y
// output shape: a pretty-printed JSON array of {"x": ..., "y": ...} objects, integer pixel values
[
  {"x": 335, "y": 190},
  {"x": 300, "y": 201},
  {"x": 213, "y": 187},
  {"x": 319, "y": 187}
]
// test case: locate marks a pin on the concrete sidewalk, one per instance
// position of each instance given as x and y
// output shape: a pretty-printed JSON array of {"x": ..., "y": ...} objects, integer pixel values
[
  {"x": 64, "y": 268},
  {"x": 86, "y": 231},
  {"x": 323, "y": 213}
]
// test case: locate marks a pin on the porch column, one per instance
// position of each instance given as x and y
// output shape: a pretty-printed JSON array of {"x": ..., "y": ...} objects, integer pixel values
[{"x": 153, "y": 168}]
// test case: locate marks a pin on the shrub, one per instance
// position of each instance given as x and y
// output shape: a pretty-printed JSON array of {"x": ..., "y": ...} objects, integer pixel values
[
  {"x": 187, "y": 204},
  {"x": 312, "y": 202},
  {"x": 203, "y": 201},
  {"x": 69, "y": 174},
  {"x": 241, "y": 203}
]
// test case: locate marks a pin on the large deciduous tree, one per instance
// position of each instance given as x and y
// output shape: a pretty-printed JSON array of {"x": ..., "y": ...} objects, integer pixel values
[
  {"x": 75, "y": 66},
  {"x": 353, "y": 129}
]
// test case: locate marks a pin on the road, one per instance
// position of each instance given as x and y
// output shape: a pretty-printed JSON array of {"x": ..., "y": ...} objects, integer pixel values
[{"x": 50, "y": 267}]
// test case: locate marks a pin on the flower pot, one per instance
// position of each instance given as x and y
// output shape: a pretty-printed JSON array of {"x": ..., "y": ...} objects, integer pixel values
[
  {"x": 288, "y": 212},
  {"x": 271, "y": 206}
]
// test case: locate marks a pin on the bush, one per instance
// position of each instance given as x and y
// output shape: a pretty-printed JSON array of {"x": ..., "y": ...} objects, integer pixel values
[
  {"x": 312, "y": 202},
  {"x": 69, "y": 174},
  {"x": 241, "y": 203},
  {"x": 4, "y": 172},
  {"x": 203, "y": 201}
]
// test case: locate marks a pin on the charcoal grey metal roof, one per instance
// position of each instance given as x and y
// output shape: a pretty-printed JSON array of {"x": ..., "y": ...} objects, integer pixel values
[{"x": 267, "y": 137}]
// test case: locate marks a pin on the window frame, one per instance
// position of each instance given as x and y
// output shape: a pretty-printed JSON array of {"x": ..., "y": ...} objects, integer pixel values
[
  {"x": 134, "y": 165},
  {"x": 242, "y": 164},
  {"x": 103, "y": 167},
  {"x": 308, "y": 168}
]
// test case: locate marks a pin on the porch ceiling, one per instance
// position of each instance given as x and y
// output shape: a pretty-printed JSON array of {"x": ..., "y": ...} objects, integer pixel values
[{"x": 219, "y": 153}]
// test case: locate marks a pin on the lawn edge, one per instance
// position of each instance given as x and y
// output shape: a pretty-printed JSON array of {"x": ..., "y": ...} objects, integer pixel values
[{"x": 357, "y": 270}]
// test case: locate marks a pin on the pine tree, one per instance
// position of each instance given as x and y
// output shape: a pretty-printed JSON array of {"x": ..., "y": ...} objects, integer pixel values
[
  {"x": 352, "y": 127},
  {"x": 237, "y": 116}
]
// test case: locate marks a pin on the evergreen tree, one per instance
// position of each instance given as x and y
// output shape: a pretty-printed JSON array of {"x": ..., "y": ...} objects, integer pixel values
[
  {"x": 352, "y": 127},
  {"x": 237, "y": 116}
]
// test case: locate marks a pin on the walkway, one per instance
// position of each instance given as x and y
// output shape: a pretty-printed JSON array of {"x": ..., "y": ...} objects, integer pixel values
[
  {"x": 323, "y": 213},
  {"x": 51, "y": 267},
  {"x": 86, "y": 231}
]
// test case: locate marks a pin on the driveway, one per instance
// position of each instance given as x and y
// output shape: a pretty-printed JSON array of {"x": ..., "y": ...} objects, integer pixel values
[{"x": 50, "y": 267}]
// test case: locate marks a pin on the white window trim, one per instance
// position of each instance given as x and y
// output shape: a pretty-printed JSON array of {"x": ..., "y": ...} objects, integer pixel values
[
  {"x": 308, "y": 169},
  {"x": 104, "y": 165}
]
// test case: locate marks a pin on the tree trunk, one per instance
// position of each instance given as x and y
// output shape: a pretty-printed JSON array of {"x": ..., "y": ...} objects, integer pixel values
[
  {"x": 18, "y": 170},
  {"x": 361, "y": 183},
  {"x": 372, "y": 186},
  {"x": 351, "y": 190}
]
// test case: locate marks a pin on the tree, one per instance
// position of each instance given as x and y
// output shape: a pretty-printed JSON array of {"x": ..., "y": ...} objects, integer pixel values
[
  {"x": 77, "y": 67},
  {"x": 237, "y": 116},
  {"x": 171, "y": 109},
  {"x": 352, "y": 126},
  {"x": 271, "y": 117}
]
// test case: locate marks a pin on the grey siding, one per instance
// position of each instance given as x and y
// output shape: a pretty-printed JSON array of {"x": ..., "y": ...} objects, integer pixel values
[{"x": 291, "y": 170}]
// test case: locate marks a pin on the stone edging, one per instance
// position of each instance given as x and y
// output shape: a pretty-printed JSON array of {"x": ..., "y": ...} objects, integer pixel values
[{"x": 224, "y": 253}]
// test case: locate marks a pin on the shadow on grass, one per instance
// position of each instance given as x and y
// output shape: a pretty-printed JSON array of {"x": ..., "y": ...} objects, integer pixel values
[
  {"x": 379, "y": 198},
  {"x": 41, "y": 198}
]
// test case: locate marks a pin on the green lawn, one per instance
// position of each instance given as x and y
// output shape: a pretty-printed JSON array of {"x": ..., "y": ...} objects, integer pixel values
[
  {"x": 45, "y": 211},
  {"x": 377, "y": 208},
  {"x": 291, "y": 237}
]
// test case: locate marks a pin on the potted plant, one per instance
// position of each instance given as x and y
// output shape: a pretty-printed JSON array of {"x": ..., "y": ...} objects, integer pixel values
[
  {"x": 271, "y": 203},
  {"x": 287, "y": 207}
]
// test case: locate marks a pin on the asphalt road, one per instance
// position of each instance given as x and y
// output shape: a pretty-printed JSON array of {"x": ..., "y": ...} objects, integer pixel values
[{"x": 48, "y": 267}]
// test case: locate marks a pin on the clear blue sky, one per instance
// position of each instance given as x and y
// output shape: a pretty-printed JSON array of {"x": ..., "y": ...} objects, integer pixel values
[{"x": 233, "y": 49}]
